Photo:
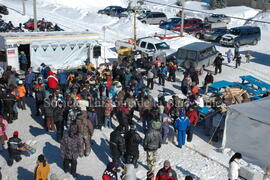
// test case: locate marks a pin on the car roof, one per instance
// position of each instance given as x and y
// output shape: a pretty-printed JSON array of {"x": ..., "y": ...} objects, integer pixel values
[
  {"x": 192, "y": 19},
  {"x": 197, "y": 46},
  {"x": 151, "y": 40},
  {"x": 154, "y": 12},
  {"x": 114, "y": 6}
]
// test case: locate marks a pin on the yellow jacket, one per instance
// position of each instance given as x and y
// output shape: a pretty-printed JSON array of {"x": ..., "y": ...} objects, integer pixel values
[{"x": 41, "y": 172}]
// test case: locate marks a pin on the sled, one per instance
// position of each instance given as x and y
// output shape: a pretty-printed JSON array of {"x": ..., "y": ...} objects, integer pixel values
[{"x": 27, "y": 148}]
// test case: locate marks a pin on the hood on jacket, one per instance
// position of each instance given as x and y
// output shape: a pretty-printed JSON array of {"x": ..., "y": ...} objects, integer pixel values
[
  {"x": 73, "y": 130},
  {"x": 51, "y": 73}
]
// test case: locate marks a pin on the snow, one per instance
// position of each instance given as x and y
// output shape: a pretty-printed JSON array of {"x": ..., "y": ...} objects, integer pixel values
[{"x": 198, "y": 158}]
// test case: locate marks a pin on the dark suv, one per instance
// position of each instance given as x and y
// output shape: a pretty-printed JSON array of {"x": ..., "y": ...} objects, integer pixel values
[
  {"x": 112, "y": 10},
  {"x": 198, "y": 30},
  {"x": 215, "y": 34}
]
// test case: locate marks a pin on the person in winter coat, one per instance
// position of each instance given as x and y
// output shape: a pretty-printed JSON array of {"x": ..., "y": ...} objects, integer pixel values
[
  {"x": 218, "y": 63},
  {"x": 208, "y": 80},
  {"x": 193, "y": 120},
  {"x": 9, "y": 102},
  {"x": 234, "y": 166},
  {"x": 13, "y": 144},
  {"x": 52, "y": 82},
  {"x": 129, "y": 173},
  {"x": 58, "y": 120},
  {"x": 48, "y": 112},
  {"x": 63, "y": 83},
  {"x": 42, "y": 169},
  {"x": 110, "y": 173},
  {"x": 92, "y": 116},
  {"x": 121, "y": 114},
  {"x": 108, "y": 113},
  {"x": 152, "y": 142},
  {"x": 23, "y": 61},
  {"x": 117, "y": 144},
  {"x": 181, "y": 124},
  {"x": 172, "y": 70},
  {"x": 29, "y": 82},
  {"x": 236, "y": 50},
  {"x": 229, "y": 55},
  {"x": 133, "y": 140},
  {"x": 237, "y": 60},
  {"x": 86, "y": 131},
  {"x": 166, "y": 173},
  {"x": 21, "y": 92},
  {"x": 39, "y": 89},
  {"x": 186, "y": 85},
  {"x": 70, "y": 149},
  {"x": 166, "y": 120},
  {"x": 150, "y": 78},
  {"x": 127, "y": 78},
  {"x": 3, "y": 131},
  {"x": 162, "y": 73}
]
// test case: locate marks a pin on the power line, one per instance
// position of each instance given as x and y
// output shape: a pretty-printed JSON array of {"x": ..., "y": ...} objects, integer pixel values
[{"x": 204, "y": 12}]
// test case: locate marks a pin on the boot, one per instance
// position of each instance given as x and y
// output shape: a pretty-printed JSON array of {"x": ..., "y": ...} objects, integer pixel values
[{"x": 15, "y": 116}]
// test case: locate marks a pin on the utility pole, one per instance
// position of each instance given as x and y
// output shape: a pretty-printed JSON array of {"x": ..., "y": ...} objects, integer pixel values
[
  {"x": 182, "y": 19},
  {"x": 135, "y": 30},
  {"x": 23, "y": 4},
  {"x": 35, "y": 14}
]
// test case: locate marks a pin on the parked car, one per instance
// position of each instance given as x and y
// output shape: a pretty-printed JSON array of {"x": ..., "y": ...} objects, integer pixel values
[
  {"x": 214, "y": 18},
  {"x": 169, "y": 23},
  {"x": 3, "y": 10},
  {"x": 147, "y": 45},
  {"x": 187, "y": 24},
  {"x": 241, "y": 36},
  {"x": 110, "y": 10},
  {"x": 153, "y": 18},
  {"x": 198, "y": 30},
  {"x": 215, "y": 34},
  {"x": 196, "y": 55}
]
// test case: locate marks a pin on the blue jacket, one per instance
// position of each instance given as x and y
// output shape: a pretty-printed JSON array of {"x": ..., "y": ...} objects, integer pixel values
[
  {"x": 44, "y": 72},
  {"x": 182, "y": 123},
  {"x": 23, "y": 59},
  {"x": 30, "y": 77},
  {"x": 62, "y": 78},
  {"x": 162, "y": 70}
]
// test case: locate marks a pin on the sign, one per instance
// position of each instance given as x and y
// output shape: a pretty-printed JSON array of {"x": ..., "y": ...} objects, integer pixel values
[{"x": 13, "y": 58}]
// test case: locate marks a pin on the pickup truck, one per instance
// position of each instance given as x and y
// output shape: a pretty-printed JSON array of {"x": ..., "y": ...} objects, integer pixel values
[{"x": 148, "y": 45}]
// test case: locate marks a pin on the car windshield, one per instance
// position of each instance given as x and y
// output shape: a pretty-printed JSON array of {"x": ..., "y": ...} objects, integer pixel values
[
  {"x": 161, "y": 46},
  {"x": 173, "y": 20},
  {"x": 143, "y": 15},
  {"x": 218, "y": 31},
  {"x": 234, "y": 31}
]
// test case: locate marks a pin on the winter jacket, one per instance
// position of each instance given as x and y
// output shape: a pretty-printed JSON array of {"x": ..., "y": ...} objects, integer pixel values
[
  {"x": 83, "y": 104},
  {"x": 23, "y": 59},
  {"x": 127, "y": 78},
  {"x": 30, "y": 78},
  {"x": 117, "y": 143},
  {"x": 150, "y": 74},
  {"x": 9, "y": 101},
  {"x": 109, "y": 175},
  {"x": 229, "y": 55},
  {"x": 62, "y": 78},
  {"x": 13, "y": 144},
  {"x": 41, "y": 172},
  {"x": 70, "y": 144},
  {"x": 162, "y": 71},
  {"x": 58, "y": 114},
  {"x": 182, "y": 123},
  {"x": 39, "y": 92},
  {"x": 168, "y": 174},
  {"x": 22, "y": 91},
  {"x": 133, "y": 140},
  {"x": 52, "y": 80},
  {"x": 48, "y": 109},
  {"x": 85, "y": 126},
  {"x": 218, "y": 61},
  {"x": 153, "y": 138},
  {"x": 193, "y": 116},
  {"x": 12, "y": 80},
  {"x": 234, "y": 170}
]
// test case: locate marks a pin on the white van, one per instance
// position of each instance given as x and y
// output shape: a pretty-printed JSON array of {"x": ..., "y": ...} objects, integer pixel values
[{"x": 153, "y": 18}]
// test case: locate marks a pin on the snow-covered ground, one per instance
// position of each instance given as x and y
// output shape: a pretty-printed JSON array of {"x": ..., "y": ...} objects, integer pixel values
[{"x": 74, "y": 15}]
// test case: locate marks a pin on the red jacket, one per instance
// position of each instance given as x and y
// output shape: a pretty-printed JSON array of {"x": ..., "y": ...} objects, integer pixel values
[
  {"x": 109, "y": 82},
  {"x": 52, "y": 80},
  {"x": 193, "y": 117},
  {"x": 164, "y": 174}
]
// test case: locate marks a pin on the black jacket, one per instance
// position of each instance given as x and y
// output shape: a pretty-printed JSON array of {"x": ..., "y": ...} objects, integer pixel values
[
  {"x": 13, "y": 144},
  {"x": 133, "y": 140},
  {"x": 152, "y": 140},
  {"x": 58, "y": 114},
  {"x": 218, "y": 61},
  {"x": 117, "y": 143}
]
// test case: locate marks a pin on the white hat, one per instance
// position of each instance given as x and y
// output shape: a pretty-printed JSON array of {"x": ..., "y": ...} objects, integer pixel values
[{"x": 20, "y": 82}]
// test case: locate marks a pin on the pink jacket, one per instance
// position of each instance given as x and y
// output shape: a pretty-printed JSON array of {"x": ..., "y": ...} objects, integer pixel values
[{"x": 3, "y": 129}]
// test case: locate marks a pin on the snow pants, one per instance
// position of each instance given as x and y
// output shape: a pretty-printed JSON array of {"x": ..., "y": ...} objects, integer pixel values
[
  {"x": 151, "y": 158},
  {"x": 181, "y": 138},
  {"x": 85, "y": 148},
  {"x": 70, "y": 164}
]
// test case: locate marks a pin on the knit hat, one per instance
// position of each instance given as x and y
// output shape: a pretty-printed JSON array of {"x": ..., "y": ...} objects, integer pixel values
[
  {"x": 15, "y": 133},
  {"x": 167, "y": 163},
  {"x": 110, "y": 165}
]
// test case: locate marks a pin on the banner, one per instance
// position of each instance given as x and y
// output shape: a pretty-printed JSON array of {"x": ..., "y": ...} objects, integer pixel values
[{"x": 59, "y": 54}]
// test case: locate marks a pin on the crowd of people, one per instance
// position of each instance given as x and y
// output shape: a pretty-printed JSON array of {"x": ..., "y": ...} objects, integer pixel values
[{"x": 74, "y": 103}]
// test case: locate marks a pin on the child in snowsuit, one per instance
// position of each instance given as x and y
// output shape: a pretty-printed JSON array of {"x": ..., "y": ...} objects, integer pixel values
[
  {"x": 181, "y": 124},
  {"x": 13, "y": 144},
  {"x": 248, "y": 55},
  {"x": 229, "y": 55}
]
